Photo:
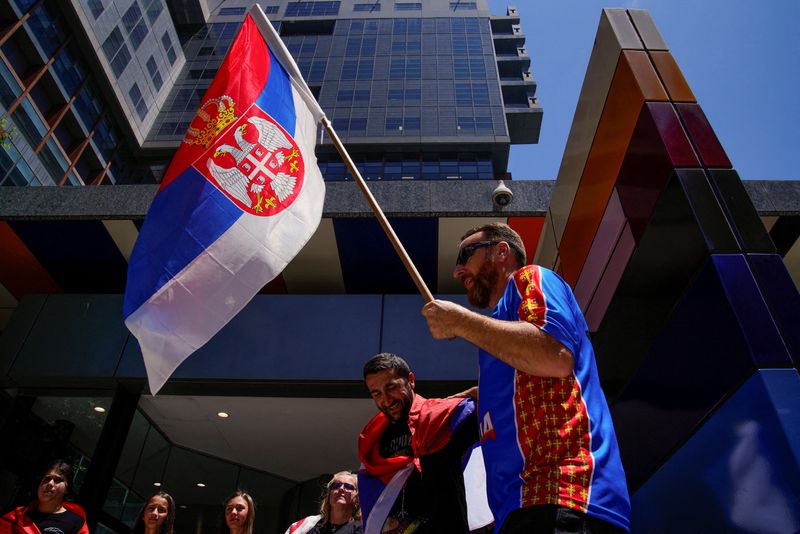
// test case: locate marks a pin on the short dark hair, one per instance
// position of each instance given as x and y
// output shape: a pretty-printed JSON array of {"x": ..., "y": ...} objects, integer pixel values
[
  {"x": 65, "y": 470},
  {"x": 497, "y": 231},
  {"x": 387, "y": 360}
]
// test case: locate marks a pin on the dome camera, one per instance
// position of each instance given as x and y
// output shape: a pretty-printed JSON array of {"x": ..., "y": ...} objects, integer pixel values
[{"x": 502, "y": 195}]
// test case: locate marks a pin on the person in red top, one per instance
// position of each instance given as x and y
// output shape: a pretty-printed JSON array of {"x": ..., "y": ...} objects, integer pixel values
[{"x": 50, "y": 513}]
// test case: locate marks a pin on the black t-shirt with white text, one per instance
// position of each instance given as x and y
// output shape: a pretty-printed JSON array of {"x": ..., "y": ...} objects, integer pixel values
[
  {"x": 396, "y": 440},
  {"x": 435, "y": 498},
  {"x": 66, "y": 522}
]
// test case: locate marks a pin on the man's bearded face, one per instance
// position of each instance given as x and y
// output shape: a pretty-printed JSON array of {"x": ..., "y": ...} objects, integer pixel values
[{"x": 480, "y": 291}]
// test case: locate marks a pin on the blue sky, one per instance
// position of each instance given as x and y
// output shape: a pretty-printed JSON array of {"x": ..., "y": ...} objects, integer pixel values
[{"x": 741, "y": 59}]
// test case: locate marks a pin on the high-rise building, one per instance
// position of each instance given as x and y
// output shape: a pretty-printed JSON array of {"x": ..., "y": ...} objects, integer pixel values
[{"x": 102, "y": 92}]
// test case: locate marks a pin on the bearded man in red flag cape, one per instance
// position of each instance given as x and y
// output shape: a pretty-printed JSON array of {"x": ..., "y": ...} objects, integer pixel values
[{"x": 413, "y": 455}]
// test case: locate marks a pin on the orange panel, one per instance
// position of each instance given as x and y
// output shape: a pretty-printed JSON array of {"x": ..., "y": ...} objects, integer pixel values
[
  {"x": 672, "y": 77},
  {"x": 20, "y": 271},
  {"x": 530, "y": 230},
  {"x": 635, "y": 82}
]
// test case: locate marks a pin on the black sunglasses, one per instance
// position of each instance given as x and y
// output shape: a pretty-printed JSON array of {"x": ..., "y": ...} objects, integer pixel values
[
  {"x": 467, "y": 251},
  {"x": 345, "y": 485}
]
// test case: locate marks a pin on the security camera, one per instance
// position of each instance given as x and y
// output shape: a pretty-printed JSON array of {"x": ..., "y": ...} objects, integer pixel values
[{"x": 502, "y": 195}]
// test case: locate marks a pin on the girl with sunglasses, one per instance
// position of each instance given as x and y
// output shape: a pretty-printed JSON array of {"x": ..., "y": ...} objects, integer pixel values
[{"x": 339, "y": 509}]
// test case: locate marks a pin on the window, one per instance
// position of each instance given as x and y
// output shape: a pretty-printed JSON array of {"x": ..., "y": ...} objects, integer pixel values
[
  {"x": 305, "y": 45},
  {"x": 402, "y": 124},
  {"x": 405, "y": 46},
  {"x": 350, "y": 96},
  {"x": 232, "y": 10},
  {"x": 406, "y": 68},
  {"x": 138, "y": 34},
  {"x": 463, "y": 44},
  {"x": 131, "y": 17},
  {"x": 116, "y": 52},
  {"x": 465, "y": 25},
  {"x": 367, "y": 7},
  {"x": 459, "y": 6},
  {"x": 408, "y": 6},
  {"x": 468, "y": 68},
  {"x": 271, "y": 10},
  {"x": 155, "y": 75},
  {"x": 166, "y": 42},
  {"x": 351, "y": 125},
  {"x": 407, "y": 95},
  {"x": 468, "y": 94},
  {"x": 154, "y": 9},
  {"x": 402, "y": 27},
  {"x": 360, "y": 46},
  {"x": 312, "y": 70},
  {"x": 96, "y": 7},
  {"x": 468, "y": 125},
  {"x": 357, "y": 69},
  {"x": 308, "y": 9},
  {"x": 135, "y": 95}
]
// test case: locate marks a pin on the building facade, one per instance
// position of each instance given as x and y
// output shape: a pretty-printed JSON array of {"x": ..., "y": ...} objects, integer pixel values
[{"x": 101, "y": 92}]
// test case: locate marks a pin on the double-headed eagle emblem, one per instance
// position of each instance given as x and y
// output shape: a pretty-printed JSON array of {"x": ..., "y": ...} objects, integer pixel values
[{"x": 258, "y": 164}]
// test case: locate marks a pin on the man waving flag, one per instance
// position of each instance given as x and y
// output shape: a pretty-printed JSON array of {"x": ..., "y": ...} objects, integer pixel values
[{"x": 242, "y": 196}]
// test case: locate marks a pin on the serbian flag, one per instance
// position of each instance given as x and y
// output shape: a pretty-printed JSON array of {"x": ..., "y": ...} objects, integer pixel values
[{"x": 242, "y": 196}]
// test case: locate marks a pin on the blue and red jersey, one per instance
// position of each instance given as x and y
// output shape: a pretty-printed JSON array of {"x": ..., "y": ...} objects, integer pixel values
[{"x": 549, "y": 440}]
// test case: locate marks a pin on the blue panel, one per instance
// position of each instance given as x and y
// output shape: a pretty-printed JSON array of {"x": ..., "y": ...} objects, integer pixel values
[
  {"x": 79, "y": 255},
  {"x": 718, "y": 333},
  {"x": 759, "y": 330},
  {"x": 406, "y": 333},
  {"x": 781, "y": 296},
  {"x": 740, "y": 472},
  {"x": 371, "y": 265},
  {"x": 74, "y": 336},
  {"x": 286, "y": 337}
]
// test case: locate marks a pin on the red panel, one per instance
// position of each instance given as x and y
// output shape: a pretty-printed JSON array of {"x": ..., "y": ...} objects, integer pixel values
[
  {"x": 659, "y": 144},
  {"x": 703, "y": 136},
  {"x": 530, "y": 230},
  {"x": 599, "y": 255},
  {"x": 20, "y": 271}
]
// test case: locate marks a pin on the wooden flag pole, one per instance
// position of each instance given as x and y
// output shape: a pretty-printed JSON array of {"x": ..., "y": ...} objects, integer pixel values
[{"x": 384, "y": 222}]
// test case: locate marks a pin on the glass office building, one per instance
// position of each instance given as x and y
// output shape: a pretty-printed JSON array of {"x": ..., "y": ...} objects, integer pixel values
[{"x": 100, "y": 92}]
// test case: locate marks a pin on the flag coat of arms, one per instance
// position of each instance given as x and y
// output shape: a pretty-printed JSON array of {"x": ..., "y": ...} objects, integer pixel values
[{"x": 241, "y": 197}]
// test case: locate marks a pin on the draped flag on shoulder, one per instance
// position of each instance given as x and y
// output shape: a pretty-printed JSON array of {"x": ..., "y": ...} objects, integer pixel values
[
  {"x": 432, "y": 422},
  {"x": 241, "y": 197}
]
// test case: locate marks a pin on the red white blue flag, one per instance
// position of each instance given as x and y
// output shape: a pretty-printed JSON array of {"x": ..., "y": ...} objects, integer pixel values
[{"x": 242, "y": 196}]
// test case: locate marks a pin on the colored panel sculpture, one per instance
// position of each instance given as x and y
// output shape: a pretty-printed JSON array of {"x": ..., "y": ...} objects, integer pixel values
[{"x": 683, "y": 289}]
